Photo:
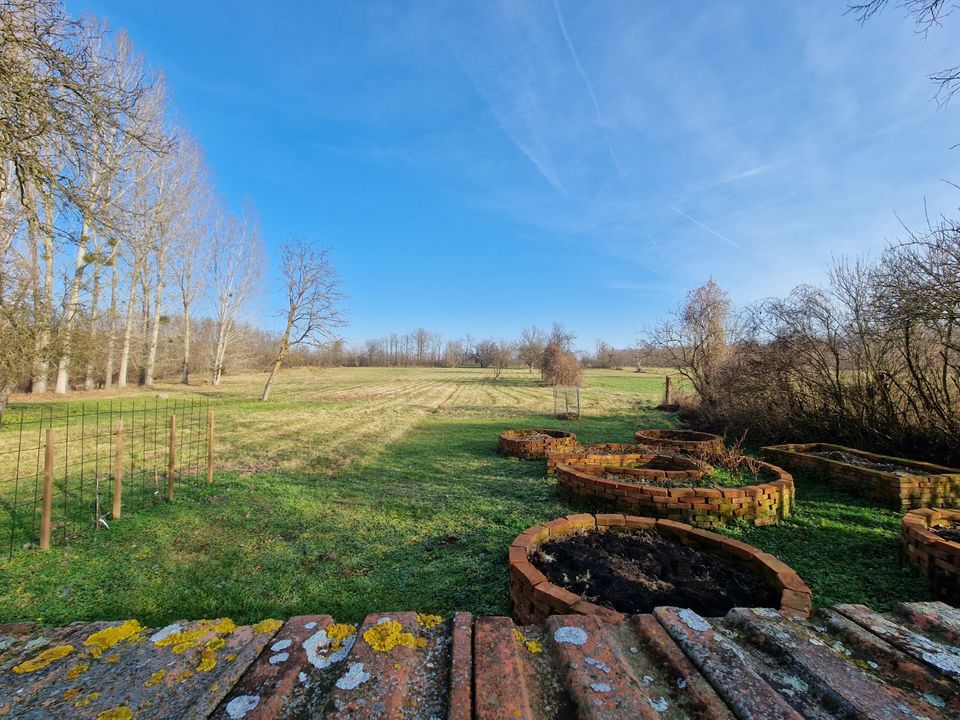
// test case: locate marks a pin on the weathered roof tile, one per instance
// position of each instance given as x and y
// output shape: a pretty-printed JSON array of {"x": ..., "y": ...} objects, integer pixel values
[{"x": 847, "y": 661}]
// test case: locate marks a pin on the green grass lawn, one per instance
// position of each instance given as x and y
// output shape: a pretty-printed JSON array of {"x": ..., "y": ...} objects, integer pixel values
[{"x": 380, "y": 490}]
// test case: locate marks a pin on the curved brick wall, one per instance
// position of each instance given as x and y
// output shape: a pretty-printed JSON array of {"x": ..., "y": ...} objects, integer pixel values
[
  {"x": 514, "y": 444},
  {"x": 534, "y": 598},
  {"x": 596, "y": 454},
  {"x": 686, "y": 440},
  {"x": 937, "y": 559},
  {"x": 939, "y": 487},
  {"x": 763, "y": 504}
]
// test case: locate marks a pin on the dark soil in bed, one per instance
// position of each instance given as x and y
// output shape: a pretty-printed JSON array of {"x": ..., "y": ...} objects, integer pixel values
[
  {"x": 859, "y": 461},
  {"x": 949, "y": 532},
  {"x": 635, "y": 571}
]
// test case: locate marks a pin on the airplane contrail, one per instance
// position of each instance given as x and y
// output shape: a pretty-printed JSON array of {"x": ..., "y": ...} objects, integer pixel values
[
  {"x": 709, "y": 230},
  {"x": 589, "y": 86}
]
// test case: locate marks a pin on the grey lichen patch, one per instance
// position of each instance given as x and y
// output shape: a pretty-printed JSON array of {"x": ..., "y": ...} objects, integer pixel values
[
  {"x": 164, "y": 633},
  {"x": 766, "y": 612},
  {"x": 241, "y": 705},
  {"x": 570, "y": 635},
  {"x": 693, "y": 620},
  {"x": 281, "y": 645},
  {"x": 35, "y": 643},
  {"x": 279, "y": 658},
  {"x": 935, "y": 700},
  {"x": 660, "y": 704},
  {"x": 316, "y": 644},
  {"x": 600, "y": 687},
  {"x": 794, "y": 685},
  {"x": 943, "y": 660},
  {"x": 599, "y": 665},
  {"x": 353, "y": 677}
]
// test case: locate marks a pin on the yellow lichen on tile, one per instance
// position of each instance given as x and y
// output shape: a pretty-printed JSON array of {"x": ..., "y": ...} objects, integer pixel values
[
  {"x": 184, "y": 676},
  {"x": 216, "y": 643},
  {"x": 231, "y": 657},
  {"x": 180, "y": 642},
  {"x": 224, "y": 626},
  {"x": 207, "y": 662},
  {"x": 117, "y": 713},
  {"x": 105, "y": 639},
  {"x": 338, "y": 632},
  {"x": 420, "y": 642},
  {"x": 156, "y": 678},
  {"x": 111, "y": 658},
  {"x": 71, "y": 695},
  {"x": 534, "y": 646},
  {"x": 83, "y": 702},
  {"x": 429, "y": 621},
  {"x": 47, "y": 657},
  {"x": 385, "y": 636},
  {"x": 268, "y": 626},
  {"x": 77, "y": 670}
]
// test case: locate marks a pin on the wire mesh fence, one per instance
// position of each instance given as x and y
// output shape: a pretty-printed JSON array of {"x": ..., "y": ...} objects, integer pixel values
[{"x": 71, "y": 468}]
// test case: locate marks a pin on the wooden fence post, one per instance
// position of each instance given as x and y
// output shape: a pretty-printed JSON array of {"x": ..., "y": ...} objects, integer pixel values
[
  {"x": 668, "y": 391},
  {"x": 172, "y": 457},
  {"x": 210, "y": 436},
  {"x": 118, "y": 472},
  {"x": 47, "y": 506}
]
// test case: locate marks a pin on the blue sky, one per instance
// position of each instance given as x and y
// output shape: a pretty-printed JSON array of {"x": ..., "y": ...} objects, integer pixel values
[{"x": 478, "y": 167}]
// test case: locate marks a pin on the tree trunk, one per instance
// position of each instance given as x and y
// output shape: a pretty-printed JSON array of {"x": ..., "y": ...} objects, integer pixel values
[
  {"x": 151, "y": 362},
  {"x": 219, "y": 356},
  {"x": 128, "y": 327},
  {"x": 41, "y": 369},
  {"x": 70, "y": 316},
  {"x": 185, "y": 375},
  {"x": 284, "y": 342},
  {"x": 112, "y": 339},
  {"x": 145, "y": 326},
  {"x": 89, "y": 381},
  {"x": 5, "y": 391}
]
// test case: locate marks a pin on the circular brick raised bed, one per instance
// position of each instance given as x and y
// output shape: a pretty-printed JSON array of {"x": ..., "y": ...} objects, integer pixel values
[
  {"x": 686, "y": 440},
  {"x": 534, "y": 598},
  {"x": 762, "y": 504},
  {"x": 936, "y": 557},
  {"x": 531, "y": 445},
  {"x": 596, "y": 454}
]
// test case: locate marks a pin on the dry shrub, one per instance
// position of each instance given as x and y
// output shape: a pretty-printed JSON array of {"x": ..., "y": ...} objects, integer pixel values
[
  {"x": 560, "y": 367},
  {"x": 872, "y": 359}
]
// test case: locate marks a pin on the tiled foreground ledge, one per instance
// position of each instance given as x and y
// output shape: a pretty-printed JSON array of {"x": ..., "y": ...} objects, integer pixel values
[
  {"x": 846, "y": 662},
  {"x": 534, "y": 598},
  {"x": 937, "y": 558},
  {"x": 762, "y": 504}
]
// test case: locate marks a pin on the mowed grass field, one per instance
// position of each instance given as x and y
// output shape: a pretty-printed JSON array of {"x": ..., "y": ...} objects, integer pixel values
[{"x": 380, "y": 489}]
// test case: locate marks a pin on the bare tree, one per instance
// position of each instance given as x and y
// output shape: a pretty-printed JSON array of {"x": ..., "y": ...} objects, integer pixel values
[
  {"x": 530, "y": 349},
  {"x": 562, "y": 337},
  {"x": 313, "y": 299},
  {"x": 235, "y": 263},
  {"x": 927, "y": 15}
]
